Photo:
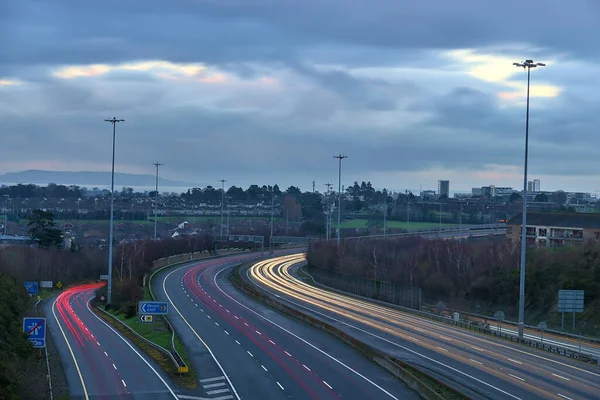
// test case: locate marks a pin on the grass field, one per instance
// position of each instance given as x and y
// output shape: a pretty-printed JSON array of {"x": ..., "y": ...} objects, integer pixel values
[
  {"x": 362, "y": 223},
  {"x": 169, "y": 219}
]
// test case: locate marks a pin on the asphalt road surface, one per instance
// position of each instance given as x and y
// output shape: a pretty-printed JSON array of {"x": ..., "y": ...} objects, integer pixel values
[
  {"x": 484, "y": 367},
  {"x": 99, "y": 362},
  {"x": 244, "y": 350}
]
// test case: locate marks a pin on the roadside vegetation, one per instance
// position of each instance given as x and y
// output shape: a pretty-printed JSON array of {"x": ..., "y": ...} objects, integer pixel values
[{"x": 480, "y": 277}]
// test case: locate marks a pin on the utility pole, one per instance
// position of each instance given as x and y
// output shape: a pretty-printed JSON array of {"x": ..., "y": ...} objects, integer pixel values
[
  {"x": 228, "y": 212},
  {"x": 222, "y": 202},
  {"x": 113, "y": 121},
  {"x": 385, "y": 218},
  {"x": 407, "y": 209},
  {"x": 313, "y": 186},
  {"x": 272, "y": 210},
  {"x": 339, "y": 224},
  {"x": 157, "y": 164},
  {"x": 527, "y": 64},
  {"x": 328, "y": 201}
]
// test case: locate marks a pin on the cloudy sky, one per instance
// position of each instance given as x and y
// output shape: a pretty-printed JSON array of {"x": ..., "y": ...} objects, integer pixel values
[{"x": 261, "y": 91}]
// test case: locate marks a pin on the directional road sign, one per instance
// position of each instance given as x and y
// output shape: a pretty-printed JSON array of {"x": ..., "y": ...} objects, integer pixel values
[
  {"x": 35, "y": 329},
  {"x": 146, "y": 319},
  {"x": 570, "y": 301},
  {"x": 32, "y": 288},
  {"x": 153, "y": 307},
  {"x": 46, "y": 284}
]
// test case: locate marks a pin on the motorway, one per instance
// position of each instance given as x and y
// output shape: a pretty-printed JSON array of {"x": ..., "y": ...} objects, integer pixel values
[
  {"x": 482, "y": 366},
  {"x": 244, "y": 350},
  {"x": 99, "y": 363}
]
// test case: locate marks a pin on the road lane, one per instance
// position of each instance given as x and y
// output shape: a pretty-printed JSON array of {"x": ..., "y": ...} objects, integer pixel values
[
  {"x": 100, "y": 363},
  {"x": 494, "y": 368},
  {"x": 265, "y": 354}
]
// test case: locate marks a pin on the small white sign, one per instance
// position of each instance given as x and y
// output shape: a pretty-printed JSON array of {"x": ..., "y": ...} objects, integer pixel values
[
  {"x": 46, "y": 284},
  {"x": 103, "y": 277}
]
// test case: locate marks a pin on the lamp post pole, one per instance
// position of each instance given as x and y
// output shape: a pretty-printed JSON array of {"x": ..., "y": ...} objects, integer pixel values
[
  {"x": 113, "y": 121},
  {"x": 339, "y": 227},
  {"x": 157, "y": 164},
  {"x": 222, "y": 202},
  {"x": 527, "y": 64}
]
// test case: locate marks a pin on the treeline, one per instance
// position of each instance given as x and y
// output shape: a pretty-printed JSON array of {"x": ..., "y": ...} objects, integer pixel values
[
  {"x": 470, "y": 273},
  {"x": 16, "y": 353}
]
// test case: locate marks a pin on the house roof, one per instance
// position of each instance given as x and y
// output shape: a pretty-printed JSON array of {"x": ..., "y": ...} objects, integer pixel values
[{"x": 579, "y": 220}]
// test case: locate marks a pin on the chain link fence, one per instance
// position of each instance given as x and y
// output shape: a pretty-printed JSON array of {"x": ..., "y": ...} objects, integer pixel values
[{"x": 406, "y": 296}]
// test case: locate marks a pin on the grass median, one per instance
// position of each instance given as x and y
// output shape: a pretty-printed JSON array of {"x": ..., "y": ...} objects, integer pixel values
[{"x": 158, "y": 334}]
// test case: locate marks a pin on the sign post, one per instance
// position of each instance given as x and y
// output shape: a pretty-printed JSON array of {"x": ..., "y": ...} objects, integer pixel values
[
  {"x": 499, "y": 316},
  {"x": 542, "y": 327},
  {"x": 35, "y": 329},
  {"x": 32, "y": 288},
  {"x": 570, "y": 301},
  {"x": 153, "y": 308}
]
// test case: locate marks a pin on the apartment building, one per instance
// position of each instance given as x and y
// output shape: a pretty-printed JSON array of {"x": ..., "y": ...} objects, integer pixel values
[
  {"x": 555, "y": 229},
  {"x": 444, "y": 188}
]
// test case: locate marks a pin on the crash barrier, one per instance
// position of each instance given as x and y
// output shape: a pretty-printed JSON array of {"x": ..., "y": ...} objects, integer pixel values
[{"x": 474, "y": 325}]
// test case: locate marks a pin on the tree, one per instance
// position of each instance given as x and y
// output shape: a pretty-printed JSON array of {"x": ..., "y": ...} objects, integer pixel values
[
  {"x": 42, "y": 229},
  {"x": 559, "y": 198},
  {"x": 514, "y": 197},
  {"x": 542, "y": 198}
]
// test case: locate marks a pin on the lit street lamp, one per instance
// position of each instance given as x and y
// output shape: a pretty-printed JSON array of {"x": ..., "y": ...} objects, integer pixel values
[
  {"x": 339, "y": 226},
  {"x": 112, "y": 212},
  {"x": 527, "y": 64}
]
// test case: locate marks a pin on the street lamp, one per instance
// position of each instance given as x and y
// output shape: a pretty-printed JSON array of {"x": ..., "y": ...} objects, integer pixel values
[
  {"x": 272, "y": 207},
  {"x": 156, "y": 201},
  {"x": 527, "y": 64},
  {"x": 327, "y": 201},
  {"x": 339, "y": 227},
  {"x": 222, "y": 202},
  {"x": 113, "y": 121}
]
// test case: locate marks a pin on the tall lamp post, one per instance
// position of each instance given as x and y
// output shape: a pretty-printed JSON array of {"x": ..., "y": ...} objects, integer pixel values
[
  {"x": 222, "y": 202},
  {"x": 339, "y": 227},
  {"x": 272, "y": 212},
  {"x": 527, "y": 64},
  {"x": 327, "y": 201},
  {"x": 157, "y": 164},
  {"x": 113, "y": 121}
]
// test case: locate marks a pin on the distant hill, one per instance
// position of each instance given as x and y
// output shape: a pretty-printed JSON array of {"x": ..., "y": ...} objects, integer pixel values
[{"x": 86, "y": 178}]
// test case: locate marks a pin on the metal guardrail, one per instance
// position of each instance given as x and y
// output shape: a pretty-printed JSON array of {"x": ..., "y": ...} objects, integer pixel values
[
  {"x": 469, "y": 230},
  {"x": 148, "y": 342},
  {"x": 465, "y": 324}
]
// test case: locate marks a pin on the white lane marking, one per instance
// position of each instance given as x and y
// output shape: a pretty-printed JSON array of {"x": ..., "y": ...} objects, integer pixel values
[
  {"x": 220, "y": 306},
  {"x": 246, "y": 324},
  {"x": 114, "y": 366},
  {"x": 418, "y": 329},
  {"x": 445, "y": 338},
  {"x": 279, "y": 384},
  {"x": 238, "y": 342},
  {"x": 196, "y": 304},
  {"x": 306, "y": 367},
  {"x": 132, "y": 348},
  {"x": 517, "y": 377},
  {"x": 236, "y": 317},
  {"x": 263, "y": 367},
  {"x": 287, "y": 353},
  {"x": 561, "y": 377},
  {"x": 202, "y": 309},
  {"x": 124, "y": 384},
  {"x": 85, "y": 393},
  {"x": 249, "y": 353},
  {"x": 515, "y": 361},
  {"x": 563, "y": 396},
  {"x": 441, "y": 348},
  {"x": 475, "y": 361},
  {"x": 378, "y": 337},
  {"x": 303, "y": 340},
  {"x": 414, "y": 338},
  {"x": 216, "y": 323},
  {"x": 218, "y": 391},
  {"x": 328, "y": 385},
  {"x": 477, "y": 348},
  {"x": 227, "y": 333},
  {"x": 214, "y": 385},
  {"x": 106, "y": 354},
  {"x": 227, "y": 310},
  {"x": 194, "y": 331},
  {"x": 258, "y": 332},
  {"x": 208, "y": 316},
  {"x": 216, "y": 378}
]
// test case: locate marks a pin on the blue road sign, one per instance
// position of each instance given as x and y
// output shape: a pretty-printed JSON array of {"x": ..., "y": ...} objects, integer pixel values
[
  {"x": 153, "y": 307},
  {"x": 35, "y": 329},
  {"x": 32, "y": 288}
]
